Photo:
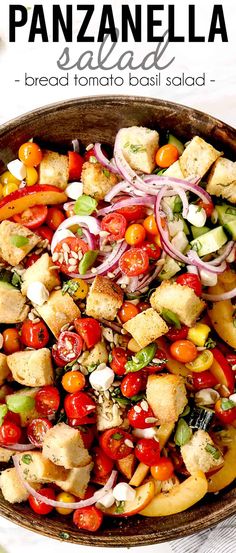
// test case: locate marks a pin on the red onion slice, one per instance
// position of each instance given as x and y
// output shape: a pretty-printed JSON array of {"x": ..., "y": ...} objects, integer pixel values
[
  {"x": 227, "y": 250},
  {"x": 167, "y": 246},
  {"x": 122, "y": 186},
  {"x": 87, "y": 221},
  {"x": 173, "y": 182},
  {"x": 220, "y": 297},
  {"x": 75, "y": 144},
  {"x": 19, "y": 447},
  {"x": 110, "y": 165},
  {"x": 146, "y": 201},
  {"x": 194, "y": 259}
]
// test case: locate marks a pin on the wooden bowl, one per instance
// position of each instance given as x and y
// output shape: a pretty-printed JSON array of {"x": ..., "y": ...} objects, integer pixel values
[{"x": 98, "y": 119}]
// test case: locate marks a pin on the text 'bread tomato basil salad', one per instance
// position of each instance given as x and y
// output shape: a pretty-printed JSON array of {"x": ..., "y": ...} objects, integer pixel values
[{"x": 118, "y": 327}]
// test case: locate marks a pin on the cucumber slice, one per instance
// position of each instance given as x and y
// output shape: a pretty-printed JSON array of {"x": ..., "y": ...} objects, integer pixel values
[
  {"x": 177, "y": 143},
  {"x": 199, "y": 231},
  {"x": 170, "y": 268},
  {"x": 226, "y": 213},
  {"x": 6, "y": 285},
  {"x": 210, "y": 242},
  {"x": 230, "y": 228}
]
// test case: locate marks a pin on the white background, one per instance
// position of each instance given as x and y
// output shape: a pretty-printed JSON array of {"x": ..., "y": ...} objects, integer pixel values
[{"x": 216, "y": 60}]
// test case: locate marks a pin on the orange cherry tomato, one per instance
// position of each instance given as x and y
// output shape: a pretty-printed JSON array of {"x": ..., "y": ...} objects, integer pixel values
[
  {"x": 166, "y": 155},
  {"x": 54, "y": 218},
  {"x": 135, "y": 234},
  {"x": 73, "y": 381},
  {"x": 127, "y": 311},
  {"x": 183, "y": 351},
  {"x": 209, "y": 207},
  {"x": 150, "y": 225},
  {"x": 30, "y": 154},
  {"x": 163, "y": 470},
  {"x": 11, "y": 341}
]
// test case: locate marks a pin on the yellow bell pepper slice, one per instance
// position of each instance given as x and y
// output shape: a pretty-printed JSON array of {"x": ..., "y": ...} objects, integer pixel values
[{"x": 198, "y": 334}]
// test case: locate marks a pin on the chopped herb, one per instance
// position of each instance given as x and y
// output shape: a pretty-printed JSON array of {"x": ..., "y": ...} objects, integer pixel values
[
  {"x": 139, "y": 397},
  {"x": 26, "y": 459},
  {"x": 16, "y": 280},
  {"x": 3, "y": 412},
  {"x": 64, "y": 535},
  {"x": 93, "y": 159},
  {"x": 110, "y": 357},
  {"x": 19, "y": 241},
  {"x": 79, "y": 231},
  {"x": 234, "y": 322},
  {"x": 106, "y": 173},
  {"x": 85, "y": 205},
  {"x": 159, "y": 172},
  {"x": 183, "y": 433},
  {"x": 227, "y": 404},
  {"x": 70, "y": 287},
  {"x": 209, "y": 344},
  {"x": 117, "y": 436},
  {"x": 136, "y": 148},
  {"x": 93, "y": 366},
  {"x": 171, "y": 318},
  {"x": 213, "y": 451},
  {"x": 120, "y": 507}
]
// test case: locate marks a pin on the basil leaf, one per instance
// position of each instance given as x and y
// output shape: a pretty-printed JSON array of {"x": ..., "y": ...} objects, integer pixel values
[
  {"x": 209, "y": 344},
  {"x": 120, "y": 507},
  {"x": 3, "y": 412},
  {"x": 79, "y": 232},
  {"x": 16, "y": 280},
  {"x": 183, "y": 433},
  {"x": 18, "y": 240},
  {"x": 227, "y": 404},
  {"x": 117, "y": 436},
  {"x": 141, "y": 359},
  {"x": 20, "y": 404},
  {"x": 106, "y": 173},
  {"x": 27, "y": 459},
  {"x": 213, "y": 451},
  {"x": 71, "y": 286},
  {"x": 93, "y": 159},
  {"x": 85, "y": 205},
  {"x": 87, "y": 261},
  {"x": 171, "y": 318}
]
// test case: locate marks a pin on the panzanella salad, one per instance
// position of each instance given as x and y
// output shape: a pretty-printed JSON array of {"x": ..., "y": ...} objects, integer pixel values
[{"x": 118, "y": 327}]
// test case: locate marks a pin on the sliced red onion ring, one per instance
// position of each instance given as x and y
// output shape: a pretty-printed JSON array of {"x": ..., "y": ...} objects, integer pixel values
[
  {"x": 89, "y": 237},
  {"x": 107, "y": 266},
  {"x": 173, "y": 182},
  {"x": 146, "y": 201},
  {"x": 110, "y": 165},
  {"x": 227, "y": 250},
  {"x": 192, "y": 269},
  {"x": 167, "y": 246},
  {"x": 147, "y": 280},
  {"x": 19, "y": 447},
  {"x": 73, "y": 505},
  {"x": 132, "y": 286},
  {"x": 91, "y": 223},
  {"x": 220, "y": 297},
  {"x": 75, "y": 144},
  {"x": 68, "y": 205},
  {"x": 194, "y": 259},
  {"x": 122, "y": 186}
]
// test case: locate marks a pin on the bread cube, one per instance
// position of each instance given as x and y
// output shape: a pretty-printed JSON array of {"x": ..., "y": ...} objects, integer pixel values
[
  {"x": 104, "y": 299},
  {"x": 76, "y": 481},
  {"x": 139, "y": 146},
  {"x": 41, "y": 271},
  {"x": 4, "y": 369},
  {"x": 9, "y": 232},
  {"x": 200, "y": 453},
  {"x": 181, "y": 300},
  {"x": 59, "y": 310},
  {"x": 27, "y": 416},
  {"x": 95, "y": 356},
  {"x": 174, "y": 171},
  {"x": 97, "y": 180},
  {"x": 146, "y": 327},
  {"x": 167, "y": 396},
  {"x": 37, "y": 468},
  {"x": 222, "y": 179},
  {"x": 13, "y": 308},
  {"x": 6, "y": 454},
  {"x": 197, "y": 158},
  {"x": 31, "y": 367},
  {"x": 12, "y": 489},
  {"x": 54, "y": 169},
  {"x": 64, "y": 446}
]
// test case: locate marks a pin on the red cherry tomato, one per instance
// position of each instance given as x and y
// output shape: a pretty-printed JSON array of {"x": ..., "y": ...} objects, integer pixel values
[
  {"x": 143, "y": 306},
  {"x": 89, "y": 154},
  {"x": 119, "y": 360},
  {"x": 87, "y": 434},
  {"x": 75, "y": 166},
  {"x": 37, "y": 429},
  {"x": 157, "y": 367},
  {"x": 13, "y": 417},
  {"x": 30, "y": 260},
  {"x": 192, "y": 281},
  {"x": 224, "y": 411},
  {"x": 132, "y": 384},
  {"x": 177, "y": 334},
  {"x": 46, "y": 233},
  {"x": 38, "y": 506},
  {"x": 152, "y": 249},
  {"x": 132, "y": 213},
  {"x": 47, "y": 400},
  {"x": 73, "y": 244},
  {"x": 57, "y": 359},
  {"x": 231, "y": 358},
  {"x": 10, "y": 433},
  {"x": 114, "y": 443},
  {"x": 163, "y": 470},
  {"x": 80, "y": 406},
  {"x": 88, "y": 518},
  {"x": 203, "y": 380},
  {"x": 138, "y": 419},
  {"x": 54, "y": 217},
  {"x": 34, "y": 335},
  {"x": 103, "y": 464},
  {"x": 69, "y": 346},
  {"x": 115, "y": 224},
  {"x": 89, "y": 329},
  {"x": 147, "y": 451},
  {"x": 89, "y": 492},
  {"x": 134, "y": 262},
  {"x": 208, "y": 206},
  {"x": 33, "y": 217}
]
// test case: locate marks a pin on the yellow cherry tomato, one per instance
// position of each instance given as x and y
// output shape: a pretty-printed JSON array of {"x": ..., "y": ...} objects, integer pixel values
[
  {"x": 166, "y": 155},
  {"x": 31, "y": 176},
  {"x": 135, "y": 234},
  {"x": 150, "y": 225},
  {"x": 9, "y": 188},
  {"x": 30, "y": 154},
  {"x": 7, "y": 178},
  {"x": 80, "y": 288},
  {"x": 65, "y": 497},
  {"x": 73, "y": 381},
  {"x": 202, "y": 363}
]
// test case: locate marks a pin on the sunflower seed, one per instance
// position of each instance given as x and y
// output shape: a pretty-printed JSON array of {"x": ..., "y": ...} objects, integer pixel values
[
  {"x": 138, "y": 409},
  {"x": 144, "y": 405},
  {"x": 55, "y": 256},
  {"x": 128, "y": 443},
  {"x": 65, "y": 247},
  {"x": 150, "y": 419}
]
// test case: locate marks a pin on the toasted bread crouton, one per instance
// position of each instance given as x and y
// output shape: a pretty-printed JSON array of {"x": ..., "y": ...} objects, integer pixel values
[
  {"x": 9, "y": 233},
  {"x": 27, "y": 416},
  {"x": 54, "y": 169},
  {"x": 59, "y": 310},
  {"x": 139, "y": 146},
  {"x": 200, "y": 453},
  {"x": 13, "y": 308},
  {"x": 12, "y": 488},
  {"x": 97, "y": 181},
  {"x": 146, "y": 327},
  {"x": 64, "y": 446},
  {"x": 197, "y": 158},
  {"x": 167, "y": 396},
  {"x": 37, "y": 468},
  {"x": 104, "y": 299},
  {"x": 76, "y": 481},
  {"x": 31, "y": 367},
  {"x": 41, "y": 271},
  {"x": 6, "y": 454},
  {"x": 222, "y": 179},
  {"x": 4, "y": 369},
  {"x": 174, "y": 171},
  {"x": 181, "y": 300},
  {"x": 95, "y": 356}
]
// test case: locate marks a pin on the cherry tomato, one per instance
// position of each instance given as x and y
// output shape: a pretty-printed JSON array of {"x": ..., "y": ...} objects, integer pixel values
[
  {"x": 143, "y": 306},
  {"x": 192, "y": 281},
  {"x": 203, "y": 380},
  {"x": 134, "y": 262},
  {"x": 132, "y": 384},
  {"x": 69, "y": 346},
  {"x": 119, "y": 360},
  {"x": 103, "y": 464},
  {"x": 13, "y": 417},
  {"x": 80, "y": 406},
  {"x": 89, "y": 329},
  {"x": 231, "y": 358},
  {"x": 89, "y": 492},
  {"x": 147, "y": 451},
  {"x": 47, "y": 400},
  {"x": 33, "y": 217},
  {"x": 163, "y": 470},
  {"x": 65, "y": 497},
  {"x": 38, "y": 506},
  {"x": 177, "y": 334},
  {"x": 46, "y": 233},
  {"x": 87, "y": 434},
  {"x": 132, "y": 213},
  {"x": 166, "y": 155},
  {"x": 150, "y": 225},
  {"x": 135, "y": 234},
  {"x": 152, "y": 249},
  {"x": 127, "y": 311},
  {"x": 64, "y": 249},
  {"x": 224, "y": 412},
  {"x": 30, "y": 260},
  {"x": 76, "y": 162},
  {"x": 73, "y": 381},
  {"x": 138, "y": 419},
  {"x": 11, "y": 341},
  {"x": 34, "y": 335},
  {"x": 114, "y": 443},
  {"x": 208, "y": 206},
  {"x": 57, "y": 359},
  {"x": 183, "y": 351},
  {"x": 30, "y": 154},
  {"x": 37, "y": 429},
  {"x": 55, "y": 217},
  {"x": 88, "y": 518},
  {"x": 115, "y": 224},
  {"x": 157, "y": 367},
  {"x": 10, "y": 433},
  {"x": 88, "y": 154}
]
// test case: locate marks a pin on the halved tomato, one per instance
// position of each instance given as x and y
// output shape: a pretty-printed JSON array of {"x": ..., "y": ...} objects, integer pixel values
[
  {"x": 33, "y": 217},
  {"x": 65, "y": 248}
]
